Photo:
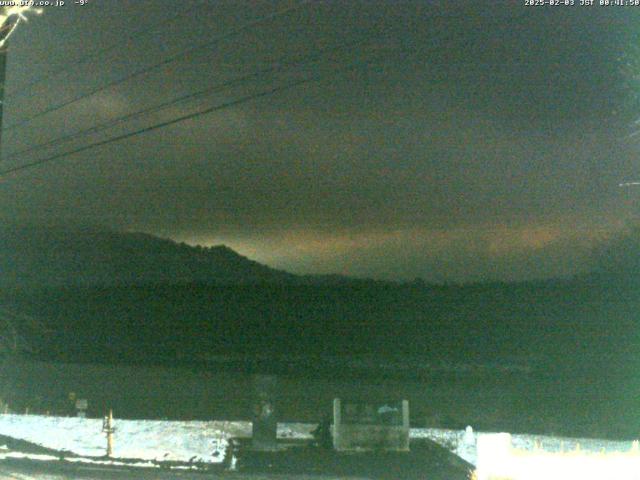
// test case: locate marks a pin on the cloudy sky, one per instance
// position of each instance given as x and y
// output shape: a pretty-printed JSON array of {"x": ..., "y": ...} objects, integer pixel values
[{"x": 447, "y": 140}]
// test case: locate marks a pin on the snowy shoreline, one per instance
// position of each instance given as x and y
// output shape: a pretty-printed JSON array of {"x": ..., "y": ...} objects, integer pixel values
[{"x": 206, "y": 441}]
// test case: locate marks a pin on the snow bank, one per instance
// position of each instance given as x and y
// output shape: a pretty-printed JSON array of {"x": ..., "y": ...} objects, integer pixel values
[
  {"x": 198, "y": 441},
  {"x": 157, "y": 440},
  {"x": 142, "y": 439},
  {"x": 464, "y": 443}
]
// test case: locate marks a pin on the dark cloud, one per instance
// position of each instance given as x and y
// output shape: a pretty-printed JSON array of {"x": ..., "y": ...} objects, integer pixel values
[{"x": 464, "y": 142}]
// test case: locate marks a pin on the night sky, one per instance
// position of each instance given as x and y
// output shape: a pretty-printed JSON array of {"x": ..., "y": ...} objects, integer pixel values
[{"x": 447, "y": 140}]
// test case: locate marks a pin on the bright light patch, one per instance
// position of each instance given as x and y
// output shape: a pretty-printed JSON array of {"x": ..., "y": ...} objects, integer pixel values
[
  {"x": 497, "y": 459},
  {"x": 10, "y": 17}
]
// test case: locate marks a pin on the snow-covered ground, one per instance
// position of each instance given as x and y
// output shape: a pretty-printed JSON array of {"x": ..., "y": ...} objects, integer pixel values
[
  {"x": 157, "y": 440},
  {"x": 464, "y": 443},
  {"x": 198, "y": 441}
]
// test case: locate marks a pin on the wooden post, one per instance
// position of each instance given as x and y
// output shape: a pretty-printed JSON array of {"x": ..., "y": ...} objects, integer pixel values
[
  {"x": 110, "y": 434},
  {"x": 337, "y": 424},
  {"x": 405, "y": 414},
  {"x": 265, "y": 423},
  {"x": 107, "y": 427}
]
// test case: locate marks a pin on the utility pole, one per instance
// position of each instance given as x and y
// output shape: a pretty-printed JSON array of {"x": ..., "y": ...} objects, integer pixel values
[
  {"x": 7, "y": 26},
  {"x": 3, "y": 73},
  {"x": 10, "y": 17}
]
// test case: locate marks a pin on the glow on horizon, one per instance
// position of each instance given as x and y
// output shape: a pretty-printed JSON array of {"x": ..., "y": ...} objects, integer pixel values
[{"x": 454, "y": 254}]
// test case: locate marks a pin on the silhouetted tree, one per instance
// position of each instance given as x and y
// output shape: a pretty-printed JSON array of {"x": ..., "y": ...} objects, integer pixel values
[{"x": 15, "y": 328}]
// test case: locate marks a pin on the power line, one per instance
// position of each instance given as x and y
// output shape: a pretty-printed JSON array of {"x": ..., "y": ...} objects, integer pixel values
[
  {"x": 166, "y": 61},
  {"x": 172, "y": 121},
  {"x": 167, "y": 123},
  {"x": 279, "y": 65},
  {"x": 157, "y": 126},
  {"x": 85, "y": 58}
]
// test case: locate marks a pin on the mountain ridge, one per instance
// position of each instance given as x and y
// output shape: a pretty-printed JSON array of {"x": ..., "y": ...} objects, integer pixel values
[
  {"x": 192, "y": 301},
  {"x": 90, "y": 256},
  {"x": 56, "y": 256}
]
